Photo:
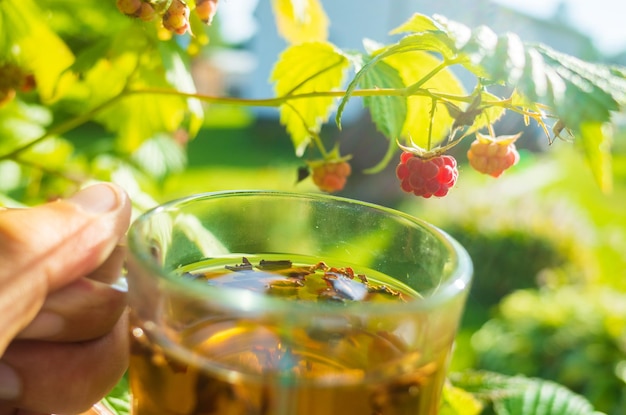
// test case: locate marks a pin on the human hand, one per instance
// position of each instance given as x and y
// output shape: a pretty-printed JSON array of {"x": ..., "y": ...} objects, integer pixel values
[{"x": 63, "y": 342}]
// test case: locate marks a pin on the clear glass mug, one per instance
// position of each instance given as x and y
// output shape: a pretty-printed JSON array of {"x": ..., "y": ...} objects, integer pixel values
[{"x": 274, "y": 303}]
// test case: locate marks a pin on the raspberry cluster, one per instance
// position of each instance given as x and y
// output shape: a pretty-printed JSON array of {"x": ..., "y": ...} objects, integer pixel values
[
  {"x": 136, "y": 8},
  {"x": 427, "y": 177},
  {"x": 206, "y": 9},
  {"x": 175, "y": 18},
  {"x": 331, "y": 177},
  {"x": 492, "y": 156}
]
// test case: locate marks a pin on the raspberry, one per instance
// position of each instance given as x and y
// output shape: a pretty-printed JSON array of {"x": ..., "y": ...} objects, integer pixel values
[
  {"x": 129, "y": 7},
  {"x": 493, "y": 155},
  {"x": 176, "y": 18},
  {"x": 427, "y": 177},
  {"x": 331, "y": 177},
  {"x": 146, "y": 12},
  {"x": 205, "y": 9}
]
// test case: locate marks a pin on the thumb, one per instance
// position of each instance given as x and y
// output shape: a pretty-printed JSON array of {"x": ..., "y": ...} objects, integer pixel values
[{"x": 47, "y": 247}]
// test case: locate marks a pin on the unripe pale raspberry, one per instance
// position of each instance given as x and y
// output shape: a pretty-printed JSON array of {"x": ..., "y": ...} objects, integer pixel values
[
  {"x": 129, "y": 7},
  {"x": 176, "y": 18},
  {"x": 206, "y": 9},
  {"x": 427, "y": 177},
  {"x": 331, "y": 177},
  {"x": 147, "y": 12},
  {"x": 493, "y": 155}
]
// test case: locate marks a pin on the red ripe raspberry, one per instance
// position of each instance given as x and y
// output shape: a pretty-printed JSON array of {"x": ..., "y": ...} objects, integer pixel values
[
  {"x": 493, "y": 155},
  {"x": 206, "y": 9},
  {"x": 427, "y": 177},
  {"x": 331, "y": 177},
  {"x": 176, "y": 18}
]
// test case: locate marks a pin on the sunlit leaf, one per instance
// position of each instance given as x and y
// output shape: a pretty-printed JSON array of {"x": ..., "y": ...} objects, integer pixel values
[
  {"x": 417, "y": 23},
  {"x": 582, "y": 95},
  {"x": 427, "y": 41},
  {"x": 178, "y": 74},
  {"x": 300, "y": 21},
  {"x": 160, "y": 156},
  {"x": 132, "y": 63},
  {"x": 21, "y": 123},
  {"x": 413, "y": 66},
  {"x": 456, "y": 401},
  {"x": 508, "y": 60},
  {"x": 139, "y": 117},
  {"x": 26, "y": 38},
  {"x": 11, "y": 174},
  {"x": 56, "y": 151},
  {"x": 388, "y": 112},
  {"x": 307, "y": 68},
  {"x": 489, "y": 115},
  {"x": 595, "y": 138}
]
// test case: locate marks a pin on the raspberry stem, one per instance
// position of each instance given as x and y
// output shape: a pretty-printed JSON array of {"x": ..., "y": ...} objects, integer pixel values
[{"x": 267, "y": 102}]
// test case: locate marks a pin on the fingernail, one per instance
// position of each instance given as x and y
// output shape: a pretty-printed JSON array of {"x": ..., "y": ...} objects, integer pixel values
[
  {"x": 10, "y": 385},
  {"x": 98, "y": 198},
  {"x": 45, "y": 325}
]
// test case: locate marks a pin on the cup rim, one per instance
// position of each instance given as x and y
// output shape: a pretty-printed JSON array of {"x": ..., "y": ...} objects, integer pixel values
[{"x": 247, "y": 301}]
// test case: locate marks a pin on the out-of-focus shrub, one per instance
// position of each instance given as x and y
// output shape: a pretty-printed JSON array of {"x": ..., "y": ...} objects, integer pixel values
[{"x": 571, "y": 335}]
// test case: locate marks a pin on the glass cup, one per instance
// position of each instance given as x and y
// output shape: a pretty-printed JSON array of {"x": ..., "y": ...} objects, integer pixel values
[{"x": 275, "y": 303}]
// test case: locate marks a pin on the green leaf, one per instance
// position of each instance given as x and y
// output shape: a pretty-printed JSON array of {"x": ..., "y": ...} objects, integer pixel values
[
  {"x": 302, "y": 69},
  {"x": 388, "y": 112},
  {"x": 27, "y": 39},
  {"x": 301, "y": 21},
  {"x": 118, "y": 400},
  {"x": 519, "y": 395},
  {"x": 417, "y": 23},
  {"x": 541, "y": 397},
  {"x": 592, "y": 91},
  {"x": 134, "y": 62},
  {"x": 178, "y": 74},
  {"x": 595, "y": 139},
  {"x": 578, "y": 91},
  {"x": 488, "y": 115},
  {"x": 456, "y": 401},
  {"x": 414, "y": 66},
  {"x": 427, "y": 41},
  {"x": 583, "y": 95},
  {"x": 160, "y": 156},
  {"x": 21, "y": 123},
  {"x": 487, "y": 386},
  {"x": 139, "y": 117}
]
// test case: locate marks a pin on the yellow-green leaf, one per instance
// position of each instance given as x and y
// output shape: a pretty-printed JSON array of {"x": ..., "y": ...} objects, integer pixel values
[
  {"x": 388, "y": 112},
  {"x": 300, "y": 21},
  {"x": 28, "y": 40},
  {"x": 178, "y": 74},
  {"x": 416, "y": 24},
  {"x": 488, "y": 115},
  {"x": 595, "y": 139},
  {"x": 301, "y": 69},
  {"x": 413, "y": 66},
  {"x": 456, "y": 401}
]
